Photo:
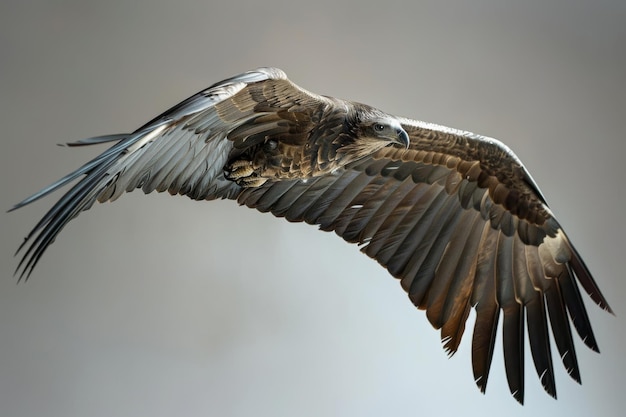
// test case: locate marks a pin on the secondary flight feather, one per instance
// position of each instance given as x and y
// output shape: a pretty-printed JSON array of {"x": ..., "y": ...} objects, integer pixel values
[{"x": 453, "y": 215}]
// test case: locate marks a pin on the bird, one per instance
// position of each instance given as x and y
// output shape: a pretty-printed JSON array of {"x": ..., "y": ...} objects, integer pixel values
[{"x": 453, "y": 215}]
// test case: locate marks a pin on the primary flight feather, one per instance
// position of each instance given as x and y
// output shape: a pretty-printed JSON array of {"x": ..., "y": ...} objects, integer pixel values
[{"x": 453, "y": 215}]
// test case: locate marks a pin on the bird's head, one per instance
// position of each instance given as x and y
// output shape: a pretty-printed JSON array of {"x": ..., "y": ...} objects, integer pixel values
[
  {"x": 385, "y": 129},
  {"x": 368, "y": 130}
]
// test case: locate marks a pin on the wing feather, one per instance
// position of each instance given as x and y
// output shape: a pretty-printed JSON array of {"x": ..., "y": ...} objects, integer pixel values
[
  {"x": 418, "y": 214},
  {"x": 576, "y": 309},
  {"x": 447, "y": 290},
  {"x": 562, "y": 332},
  {"x": 513, "y": 326},
  {"x": 487, "y": 310},
  {"x": 456, "y": 304},
  {"x": 391, "y": 212},
  {"x": 434, "y": 243}
]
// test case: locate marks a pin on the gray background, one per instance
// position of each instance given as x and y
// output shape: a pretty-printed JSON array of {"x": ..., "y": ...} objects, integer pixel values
[{"x": 162, "y": 306}]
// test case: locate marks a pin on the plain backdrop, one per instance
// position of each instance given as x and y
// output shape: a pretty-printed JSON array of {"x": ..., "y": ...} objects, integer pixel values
[{"x": 161, "y": 306}]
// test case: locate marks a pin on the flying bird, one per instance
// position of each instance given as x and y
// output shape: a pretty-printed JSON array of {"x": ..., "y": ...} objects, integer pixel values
[{"x": 453, "y": 215}]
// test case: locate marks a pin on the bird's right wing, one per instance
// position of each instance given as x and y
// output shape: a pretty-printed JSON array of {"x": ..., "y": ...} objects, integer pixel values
[
  {"x": 182, "y": 151},
  {"x": 460, "y": 222}
]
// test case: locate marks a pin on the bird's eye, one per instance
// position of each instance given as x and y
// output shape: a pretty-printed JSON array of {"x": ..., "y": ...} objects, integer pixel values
[{"x": 379, "y": 127}]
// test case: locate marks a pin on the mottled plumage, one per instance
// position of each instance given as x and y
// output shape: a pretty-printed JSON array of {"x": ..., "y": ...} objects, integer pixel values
[{"x": 453, "y": 215}]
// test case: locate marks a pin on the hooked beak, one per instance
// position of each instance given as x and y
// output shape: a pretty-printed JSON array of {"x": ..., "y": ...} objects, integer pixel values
[{"x": 402, "y": 138}]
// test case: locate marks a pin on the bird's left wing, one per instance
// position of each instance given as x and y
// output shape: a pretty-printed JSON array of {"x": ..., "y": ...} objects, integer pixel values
[
  {"x": 458, "y": 219},
  {"x": 183, "y": 151}
]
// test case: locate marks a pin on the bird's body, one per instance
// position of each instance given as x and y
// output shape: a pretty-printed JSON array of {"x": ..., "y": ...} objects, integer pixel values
[{"x": 454, "y": 215}]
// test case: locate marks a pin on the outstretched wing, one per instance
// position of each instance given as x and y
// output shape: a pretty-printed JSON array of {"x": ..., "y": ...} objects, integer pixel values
[
  {"x": 183, "y": 150},
  {"x": 457, "y": 218}
]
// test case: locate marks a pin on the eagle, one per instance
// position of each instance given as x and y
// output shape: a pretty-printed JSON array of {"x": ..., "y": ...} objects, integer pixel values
[{"x": 453, "y": 215}]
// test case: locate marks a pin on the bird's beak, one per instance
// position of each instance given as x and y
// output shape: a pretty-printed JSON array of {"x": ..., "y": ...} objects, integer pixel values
[{"x": 402, "y": 138}]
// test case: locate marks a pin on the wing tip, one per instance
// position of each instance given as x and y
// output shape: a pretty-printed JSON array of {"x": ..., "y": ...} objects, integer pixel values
[
  {"x": 481, "y": 383},
  {"x": 584, "y": 276},
  {"x": 519, "y": 396}
]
